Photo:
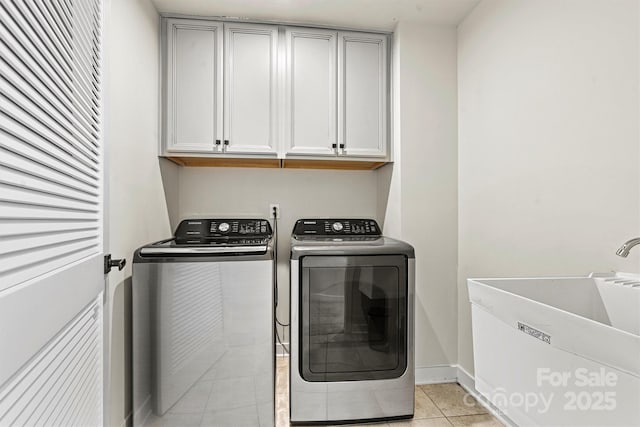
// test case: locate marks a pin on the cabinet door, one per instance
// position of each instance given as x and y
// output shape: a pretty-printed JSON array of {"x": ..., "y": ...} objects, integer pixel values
[
  {"x": 251, "y": 64},
  {"x": 362, "y": 94},
  {"x": 193, "y": 85},
  {"x": 310, "y": 124}
]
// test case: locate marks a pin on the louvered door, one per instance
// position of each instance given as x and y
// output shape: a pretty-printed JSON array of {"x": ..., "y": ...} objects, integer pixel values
[{"x": 51, "y": 213}]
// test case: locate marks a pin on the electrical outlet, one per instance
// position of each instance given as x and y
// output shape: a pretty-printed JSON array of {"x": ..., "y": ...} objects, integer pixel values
[{"x": 275, "y": 206}]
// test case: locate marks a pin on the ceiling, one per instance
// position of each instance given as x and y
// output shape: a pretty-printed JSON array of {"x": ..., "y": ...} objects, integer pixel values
[{"x": 364, "y": 14}]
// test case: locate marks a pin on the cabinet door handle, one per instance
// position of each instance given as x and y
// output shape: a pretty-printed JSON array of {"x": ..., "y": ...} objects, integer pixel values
[
  {"x": 226, "y": 142},
  {"x": 216, "y": 147}
]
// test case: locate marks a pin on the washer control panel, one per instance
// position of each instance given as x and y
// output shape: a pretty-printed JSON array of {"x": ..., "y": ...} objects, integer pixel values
[
  {"x": 336, "y": 227},
  {"x": 221, "y": 230}
]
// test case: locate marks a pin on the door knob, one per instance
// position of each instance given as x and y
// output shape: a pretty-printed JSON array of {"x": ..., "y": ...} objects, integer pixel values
[{"x": 109, "y": 263}]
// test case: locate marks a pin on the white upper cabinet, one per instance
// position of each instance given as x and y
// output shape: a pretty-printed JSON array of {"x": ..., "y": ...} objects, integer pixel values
[
  {"x": 246, "y": 90},
  {"x": 202, "y": 116},
  {"x": 336, "y": 93},
  {"x": 193, "y": 85},
  {"x": 250, "y": 88},
  {"x": 362, "y": 94},
  {"x": 310, "y": 95}
]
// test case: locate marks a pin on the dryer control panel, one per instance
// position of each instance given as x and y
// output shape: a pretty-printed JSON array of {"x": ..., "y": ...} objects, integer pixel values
[{"x": 336, "y": 227}]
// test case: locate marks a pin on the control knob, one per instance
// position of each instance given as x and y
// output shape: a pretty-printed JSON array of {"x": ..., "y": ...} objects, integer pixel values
[
  {"x": 223, "y": 227},
  {"x": 337, "y": 226}
]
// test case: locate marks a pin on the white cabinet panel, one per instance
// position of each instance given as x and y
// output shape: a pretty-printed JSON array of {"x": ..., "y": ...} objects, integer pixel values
[
  {"x": 193, "y": 85},
  {"x": 362, "y": 94},
  {"x": 310, "y": 91},
  {"x": 251, "y": 60}
]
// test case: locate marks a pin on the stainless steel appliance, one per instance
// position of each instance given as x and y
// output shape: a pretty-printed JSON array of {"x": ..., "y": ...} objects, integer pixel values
[
  {"x": 203, "y": 337},
  {"x": 352, "y": 327}
]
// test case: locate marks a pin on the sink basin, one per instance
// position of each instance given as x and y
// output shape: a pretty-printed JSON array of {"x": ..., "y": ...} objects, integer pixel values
[{"x": 527, "y": 330}]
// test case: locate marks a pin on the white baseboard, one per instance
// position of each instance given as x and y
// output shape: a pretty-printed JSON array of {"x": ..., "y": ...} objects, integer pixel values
[
  {"x": 468, "y": 382},
  {"x": 436, "y": 374}
]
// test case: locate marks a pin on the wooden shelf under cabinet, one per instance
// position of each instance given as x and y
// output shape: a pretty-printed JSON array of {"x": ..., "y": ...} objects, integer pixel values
[
  {"x": 226, "y": 162},
  {"x": 331, "y": 164},
  {"x": 276, "y": 163}
]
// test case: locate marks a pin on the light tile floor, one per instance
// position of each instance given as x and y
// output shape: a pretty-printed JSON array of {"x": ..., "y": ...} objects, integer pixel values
[{"x": 437, "y": 405}]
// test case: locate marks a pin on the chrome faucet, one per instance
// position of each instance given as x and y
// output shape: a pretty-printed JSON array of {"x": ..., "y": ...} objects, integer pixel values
[{"x": 624, "y": 249}]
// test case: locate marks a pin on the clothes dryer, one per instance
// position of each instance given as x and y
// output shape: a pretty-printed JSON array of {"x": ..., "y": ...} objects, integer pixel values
[{"x": 352, "y": 323}]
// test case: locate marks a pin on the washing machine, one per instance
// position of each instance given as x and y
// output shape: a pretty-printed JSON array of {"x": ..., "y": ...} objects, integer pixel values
[
  {"x": 352, "y": 323},
  {"x": 202, "y": 326}
]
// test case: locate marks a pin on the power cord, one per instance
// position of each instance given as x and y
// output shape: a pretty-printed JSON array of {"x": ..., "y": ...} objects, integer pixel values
[{"x": 275, "y": 280}]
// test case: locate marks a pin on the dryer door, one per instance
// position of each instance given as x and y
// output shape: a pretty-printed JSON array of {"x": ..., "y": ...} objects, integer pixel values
[{"x": 353, "y": 312}]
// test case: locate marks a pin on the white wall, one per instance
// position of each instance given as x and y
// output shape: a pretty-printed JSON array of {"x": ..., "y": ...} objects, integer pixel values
[
  {"x": 137, "y": 211},
  {"x": 548, "y": 141},
  {"x": 422, "y": 187},
  {"x": 229, "y": 192}
]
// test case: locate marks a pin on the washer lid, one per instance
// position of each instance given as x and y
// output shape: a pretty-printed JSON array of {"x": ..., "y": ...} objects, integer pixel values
[
  {"x": 169, "y": 251},
  {"x": 203, "y": 238},
  {"x": 171, "y": 248}
]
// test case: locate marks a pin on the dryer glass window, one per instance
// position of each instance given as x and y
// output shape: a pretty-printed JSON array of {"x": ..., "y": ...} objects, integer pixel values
[{"x": 354, "y": 318}]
